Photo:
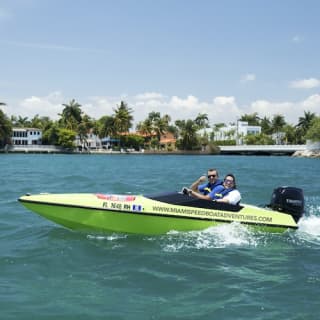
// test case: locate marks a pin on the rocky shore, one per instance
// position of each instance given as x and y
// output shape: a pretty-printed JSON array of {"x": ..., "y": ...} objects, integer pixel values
[
  {"x": 312, "y": 150},
  {"x": 307, "y": 154}
]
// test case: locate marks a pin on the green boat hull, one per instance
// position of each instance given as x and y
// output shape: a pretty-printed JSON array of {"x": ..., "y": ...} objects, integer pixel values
[{"x": 140, "y": 215}]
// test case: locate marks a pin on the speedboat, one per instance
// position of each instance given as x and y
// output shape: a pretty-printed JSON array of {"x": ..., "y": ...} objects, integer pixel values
[{"x": 162, "y": 213}]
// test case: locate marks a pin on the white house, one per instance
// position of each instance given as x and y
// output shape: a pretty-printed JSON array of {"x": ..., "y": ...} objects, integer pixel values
[
  {"x": 93, "y": 142},
  {"x": 234, "y": 132},
  {"x": 26, "y": 136},
  {"x": 243, "y": 129}
]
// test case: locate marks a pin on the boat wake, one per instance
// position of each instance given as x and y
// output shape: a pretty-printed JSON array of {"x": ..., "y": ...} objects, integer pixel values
[
  {"x": 225, "y": 235},
  {"x": 309, "y": 225},
  {"x": 309, "y": 228}
]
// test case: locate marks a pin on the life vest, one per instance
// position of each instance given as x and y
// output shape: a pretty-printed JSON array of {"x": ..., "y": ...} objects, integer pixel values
[
  {"x": 222, "y": 193},
  {"x": 209, "y": 187}
]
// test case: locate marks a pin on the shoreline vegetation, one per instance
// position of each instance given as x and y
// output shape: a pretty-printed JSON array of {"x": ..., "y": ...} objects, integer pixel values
[
  {"x": 311, "y": 151},
  {"x": 77, "y": 133}
]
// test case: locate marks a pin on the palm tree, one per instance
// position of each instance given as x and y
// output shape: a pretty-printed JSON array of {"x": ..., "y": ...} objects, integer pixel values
[
  {"x": 252, "y": 119},
  {"x": 188, "y": 133},
  {"x": 36, "y": 122},
  {"x": 71, "y": 115},
  {"x": 160, "y": 126},
  {"x": 314, "y": 131},
  {"x": 265, "y": 124},
  {"x": 290, "y": 133},
  {"x": 216, "y": 129},
  {"x": 305, "y": 122},
  {"x": 106, "y": 127},
  {"x": 21, "y": 122},
  {"x": 145, "y": 127},
  {"x": 5, "y": 129},
  {"x": 277, "y": 124},
  {"x": 202, "y": 121},
  {"x": 122, "y": 119},
  {"x": 84, "y": 128}
]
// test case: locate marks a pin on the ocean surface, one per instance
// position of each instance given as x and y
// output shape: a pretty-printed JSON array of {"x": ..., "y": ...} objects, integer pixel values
[{"x": 225, "y": 272}]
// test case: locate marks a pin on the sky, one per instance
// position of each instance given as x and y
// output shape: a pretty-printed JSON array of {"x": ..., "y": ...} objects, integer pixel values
[{"x": 178, "y": 57}]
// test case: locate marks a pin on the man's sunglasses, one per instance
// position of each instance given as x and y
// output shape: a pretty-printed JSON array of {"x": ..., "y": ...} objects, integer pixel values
[{"x": 212, "y": 176}]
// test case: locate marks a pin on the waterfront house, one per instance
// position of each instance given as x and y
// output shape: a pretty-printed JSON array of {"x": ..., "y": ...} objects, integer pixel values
[
  {"x": 168, "y": 141},
  {"x": 235, "y": 132},
  {"x": 26, "y": 136}
]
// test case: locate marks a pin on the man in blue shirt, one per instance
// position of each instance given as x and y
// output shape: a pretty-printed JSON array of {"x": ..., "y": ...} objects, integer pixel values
[{"x": 205, "y": 188}]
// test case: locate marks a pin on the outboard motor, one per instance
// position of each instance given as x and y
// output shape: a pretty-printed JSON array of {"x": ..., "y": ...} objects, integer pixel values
[{"x": 288, "y": 200}]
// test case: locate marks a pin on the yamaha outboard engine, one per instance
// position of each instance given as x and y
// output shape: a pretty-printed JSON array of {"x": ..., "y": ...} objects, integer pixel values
[{"x": 289, "y": 200}]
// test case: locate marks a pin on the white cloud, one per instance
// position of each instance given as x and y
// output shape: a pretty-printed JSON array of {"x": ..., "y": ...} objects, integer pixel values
[
  {"x": 269, "y": 108},
  {"x": 312, "y": 103},
  {"x": 49, "y": 105},
  {"x": 149, "y": 96},
  {"x": 248, "y": 77},
  {"x": 290, "y": 110},
  {"x": 224, "y": 101},
  {"x": 305, "y": 83}
]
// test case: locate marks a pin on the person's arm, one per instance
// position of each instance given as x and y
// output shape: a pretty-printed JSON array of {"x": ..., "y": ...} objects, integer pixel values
[
  {"x": 233, "y": 197},
  {"x": 195, "y": 185},
  {"x": 225, "y": 200},
  {"x": 198, "y": 195}
]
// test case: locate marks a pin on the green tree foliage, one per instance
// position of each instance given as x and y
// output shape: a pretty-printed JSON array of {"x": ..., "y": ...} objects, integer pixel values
[
  {"x": 66, "y": 138},
  {"x": 252, "y": 119},
  {"x": 313, "y": 132},
  {"x": 84, "y": 127},
  {"x": 160, "y": 125},
  {"x": 71, "y": 115},
  {"x": 291, "y": 134},
  {"x": 20, "y": 122},
  {"x": 50, "y": 136},
  {"x": 188, "y": 135},
  {"x": 145, "y": 127},
  {"x": 265, "y": 124},
  {"x": 258, "y": 139},
  {"x": 154, "y": 125},
  {"x": 106, "y": 127},
  {"x": 277, "y": 123},
  {"x": 132, "y": 141},
  {"x": 5, "y": 129},
  {"x": 305, "y": 121},
  {"x": 123, "y": 118},
  {"x": 304, "y": 124},
  {"x": 202, "y": 121}
]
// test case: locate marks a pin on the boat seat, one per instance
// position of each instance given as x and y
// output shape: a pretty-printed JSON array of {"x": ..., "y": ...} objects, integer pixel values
[{"x": 180, "y": 199}]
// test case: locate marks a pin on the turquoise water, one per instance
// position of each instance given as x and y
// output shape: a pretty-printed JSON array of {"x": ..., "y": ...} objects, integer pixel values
[{"x": 226, "y": 272}]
